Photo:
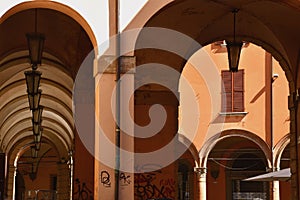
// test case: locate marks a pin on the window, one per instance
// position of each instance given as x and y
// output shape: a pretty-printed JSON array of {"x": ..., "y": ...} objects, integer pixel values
[
  {"x": 185, "y": 181},
  {"x": 233, "y": 91}
]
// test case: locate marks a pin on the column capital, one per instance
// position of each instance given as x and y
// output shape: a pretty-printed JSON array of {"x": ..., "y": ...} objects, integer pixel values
[
  {"x": 107, "y": 64},
  {"x": 200, "y": 171}
]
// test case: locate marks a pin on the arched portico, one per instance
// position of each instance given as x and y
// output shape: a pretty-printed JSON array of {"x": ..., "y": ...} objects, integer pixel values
[
  {"x": 207, "y": 22},
  {"x": 279, "y": 148},
  {"x": 223, "y": 158},
  {"x": 63, "y": 54},
  {"x": 211, "y": 142}
]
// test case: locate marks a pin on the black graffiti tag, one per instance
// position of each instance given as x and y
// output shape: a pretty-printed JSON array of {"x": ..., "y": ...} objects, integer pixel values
[
  {"x": 105, "y": 179},
  {"x": 125, "y": 179}
]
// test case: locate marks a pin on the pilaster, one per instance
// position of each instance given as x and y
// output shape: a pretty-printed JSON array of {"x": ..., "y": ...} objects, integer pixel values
[
  {"x": 105, "y": 70},
  {"x": 294, "y": 112}
]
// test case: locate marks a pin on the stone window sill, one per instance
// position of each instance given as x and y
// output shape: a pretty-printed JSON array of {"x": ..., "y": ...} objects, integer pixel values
[{"x": 233, "y": 113}]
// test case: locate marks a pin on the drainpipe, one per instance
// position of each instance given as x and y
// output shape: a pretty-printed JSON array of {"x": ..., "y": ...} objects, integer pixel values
[
  {"x": 275, "y": 184},
  {"x": 269, "y": 104},
  {"x": 118, "y": 72}
]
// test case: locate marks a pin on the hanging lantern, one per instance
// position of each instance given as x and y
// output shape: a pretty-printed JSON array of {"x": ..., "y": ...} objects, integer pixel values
[
  {"x": 37, "y": 115},
  {"x": 34, "y": 152},
  {"x": 34, "y": 100},
  {"x": 35, "y": 43},
  {"x": 32, "y": 81},
  {"x": 234, "y": 48},
  {"x": 234, "y": 51}
]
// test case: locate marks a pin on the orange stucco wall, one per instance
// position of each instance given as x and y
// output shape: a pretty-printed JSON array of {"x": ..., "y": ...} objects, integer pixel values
[
  {"x": 255, "y": 121},
  {"x": 257, "y": 97}
]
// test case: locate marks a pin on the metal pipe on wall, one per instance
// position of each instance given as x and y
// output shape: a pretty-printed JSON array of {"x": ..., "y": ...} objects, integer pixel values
[{"x": 118, "y": 75}]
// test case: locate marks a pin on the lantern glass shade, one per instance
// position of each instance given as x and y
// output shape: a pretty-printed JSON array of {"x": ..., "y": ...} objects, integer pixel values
[
  {"x": 32, "y": 81},
  {"x": 37, "y": 138},
  {"x": 35, "y": 43},
  {"x": 38, "y": 146},
  {"x": 36, "y": 128},
  {"x": 234, "y": 51},
  {"x": 34, "y": 100},
  {"x": 34, "y": 152},
  {"x": 37, "y": 115}
]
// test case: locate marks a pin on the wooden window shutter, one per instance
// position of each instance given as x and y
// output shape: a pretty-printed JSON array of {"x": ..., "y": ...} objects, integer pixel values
[
  {"x": 233, "y": 91},
  {"x": 238, "y": 91},
  {"x": 227, "y": 91}
]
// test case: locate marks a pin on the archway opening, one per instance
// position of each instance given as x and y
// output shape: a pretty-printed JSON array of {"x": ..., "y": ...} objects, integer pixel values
[
  {"x": 69, "y": 40},
  {"x": 230, "y": 162},
  {"x": 38, "y": 176}
]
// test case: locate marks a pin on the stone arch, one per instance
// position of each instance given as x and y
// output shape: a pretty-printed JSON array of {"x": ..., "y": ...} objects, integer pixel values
[
  {"x": 53, "y": 6},
  {"x": 211, "y": 142},
  {"x": 279, "y": 148},
  {"x": 57, "y": 86},
  {"x": 15, "y": 153},
  {"x": 214, "y": 31},
  {"x": 191, "y": 147}
]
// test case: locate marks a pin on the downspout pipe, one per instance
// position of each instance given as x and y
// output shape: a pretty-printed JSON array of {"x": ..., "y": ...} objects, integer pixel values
[{"x": 117, "y": 125}]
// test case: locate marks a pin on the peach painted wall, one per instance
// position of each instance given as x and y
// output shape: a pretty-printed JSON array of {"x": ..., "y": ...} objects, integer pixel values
[
  {"x": 281, "y": 114},
  {"x": 253, "y": 62}
]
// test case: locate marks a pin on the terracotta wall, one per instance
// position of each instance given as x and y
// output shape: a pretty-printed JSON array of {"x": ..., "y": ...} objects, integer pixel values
[
  {"x": 42, "y": 181},
  {"x": 83, "y": 166},
  {"x": 163, "y": 181}
]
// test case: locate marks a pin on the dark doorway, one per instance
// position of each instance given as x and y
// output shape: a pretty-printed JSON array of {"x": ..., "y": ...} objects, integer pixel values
[{"x": 247, "y": 165}]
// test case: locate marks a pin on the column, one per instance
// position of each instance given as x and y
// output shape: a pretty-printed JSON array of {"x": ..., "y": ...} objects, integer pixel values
[
  {"x": 105, "y": 131},
  {"x": 276, "y": 194},
  {"x": 126, "y": 179},
  {"x": 11, "y": 181},
  {"x": 164, "y": 166},
  {"x": 71, "y": 167},
  {"x": 201, "y": 175},
  {"x": 293, "y": 107},
  {"x": 2, "y": 175}
]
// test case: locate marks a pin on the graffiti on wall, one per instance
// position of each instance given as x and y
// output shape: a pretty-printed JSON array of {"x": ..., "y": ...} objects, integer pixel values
[
  {"x": 147, "y": 186},
  {"x": 81, "y": 191},
  {"x": 105, "y": 178},
  {"x": 124, "y": 179}
]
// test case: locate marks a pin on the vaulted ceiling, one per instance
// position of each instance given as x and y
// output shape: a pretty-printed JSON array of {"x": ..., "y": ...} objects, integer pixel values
[
  {"x": 66, "y": 46},
  {"x": 65, "y": 38},
  {"x": 272, "y": 24}
]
